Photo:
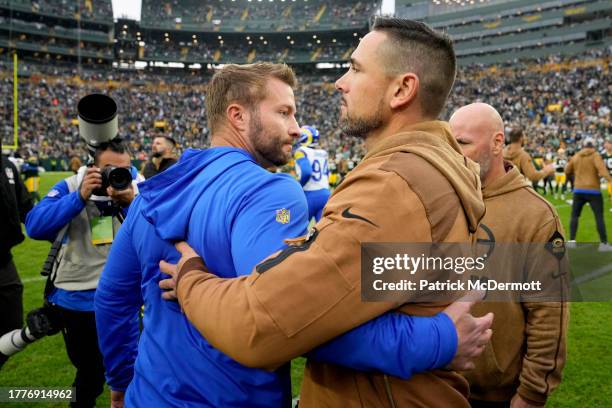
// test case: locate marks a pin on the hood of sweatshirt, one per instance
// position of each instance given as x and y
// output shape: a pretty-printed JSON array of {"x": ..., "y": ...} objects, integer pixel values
[
  {"x": 434, "y": 142},
  {"x": 512, "y": 151},
  {"x": 168, "y": 199},
  {"x": 586, "y": 152},
  {"x": 511, "y": 181}
]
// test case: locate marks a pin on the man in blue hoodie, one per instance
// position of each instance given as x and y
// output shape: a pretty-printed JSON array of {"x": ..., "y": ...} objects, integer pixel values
[
  {"x": 236, "y": 213},
  {"x": 84, "y": 221}
]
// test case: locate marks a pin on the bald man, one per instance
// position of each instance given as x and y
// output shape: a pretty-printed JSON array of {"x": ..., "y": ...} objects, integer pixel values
[{"x": 524, "y": 360}]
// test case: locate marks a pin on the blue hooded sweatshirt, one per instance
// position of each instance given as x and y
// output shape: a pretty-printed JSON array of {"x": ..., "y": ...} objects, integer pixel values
[{"x": 234, "y": 214}]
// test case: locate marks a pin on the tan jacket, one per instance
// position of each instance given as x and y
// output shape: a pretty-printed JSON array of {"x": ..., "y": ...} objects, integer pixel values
[
  {"x": 523, "y": 162},
  {"x": 412, "y": 187},
  {"x": 527, "y": 350},
  {"x": 588, "y": 166}
]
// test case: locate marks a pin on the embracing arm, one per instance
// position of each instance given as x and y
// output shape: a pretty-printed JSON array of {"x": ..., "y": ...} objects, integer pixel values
[{"x": 305, "y": 295}]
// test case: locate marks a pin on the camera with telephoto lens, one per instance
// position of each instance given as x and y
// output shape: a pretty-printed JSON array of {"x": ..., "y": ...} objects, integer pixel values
[
  {"x": 98, "y": 124},
  {"x": 44, "y": 321},
  {"x": 118, "y": 178}
]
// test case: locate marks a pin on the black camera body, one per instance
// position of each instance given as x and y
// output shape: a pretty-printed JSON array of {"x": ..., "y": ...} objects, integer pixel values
[
  {"x": 118, "y": 178},
  {"x": 41, "y": 322},
  {"x": 44, "y": 321}
]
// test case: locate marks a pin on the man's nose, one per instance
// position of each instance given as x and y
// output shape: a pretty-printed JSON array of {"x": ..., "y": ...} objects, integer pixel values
[
  {"x": 339, "y": 84},
  {"x": 294, "y": 128}
]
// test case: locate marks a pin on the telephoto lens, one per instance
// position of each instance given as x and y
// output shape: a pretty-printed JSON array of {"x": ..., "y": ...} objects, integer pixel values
[
  {"x": 97, "y": 119},
  {"x": 40, "y": 322},
  {"x": 118, "y": 178}
]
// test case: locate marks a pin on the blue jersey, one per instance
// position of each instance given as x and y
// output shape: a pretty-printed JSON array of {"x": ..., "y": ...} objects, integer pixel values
[{"x": 235, "y": 214}]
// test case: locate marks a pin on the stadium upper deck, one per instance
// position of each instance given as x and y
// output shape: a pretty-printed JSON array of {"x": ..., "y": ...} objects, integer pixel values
[
  {"x": 72, "y": 30},
  {"x": 307, "y": 32},
  {"x": 498, "y": 31},
  {"x": 66, "y": 9},
  {"x": 257, "y": 16}
]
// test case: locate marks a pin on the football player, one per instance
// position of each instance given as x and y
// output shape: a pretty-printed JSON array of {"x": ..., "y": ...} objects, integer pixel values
[
  {"x": 560, "y": 178},
  {"x": 312, "y": 170}
]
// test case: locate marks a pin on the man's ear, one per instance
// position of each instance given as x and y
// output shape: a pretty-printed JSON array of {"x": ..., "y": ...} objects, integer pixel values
[
  {"x": 498, "y": 143},
  {"x": 237, "y": 116},
  {"x": 405, "y": 90}
]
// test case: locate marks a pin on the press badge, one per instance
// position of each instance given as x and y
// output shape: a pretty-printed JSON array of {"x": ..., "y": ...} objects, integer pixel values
[{"x": 102, "y": 230}]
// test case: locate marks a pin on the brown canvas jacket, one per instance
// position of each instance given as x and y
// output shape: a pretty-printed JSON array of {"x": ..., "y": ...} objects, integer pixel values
[
  {"x": 523, "y": 162},
  {"x": 588, "y": 167},
  {"x": 415, "y": 186},
  {"x": 527, "y": 350}
]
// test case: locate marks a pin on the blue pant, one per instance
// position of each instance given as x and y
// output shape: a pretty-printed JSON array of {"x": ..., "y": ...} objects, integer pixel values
[{"x": 316, "y": 201}]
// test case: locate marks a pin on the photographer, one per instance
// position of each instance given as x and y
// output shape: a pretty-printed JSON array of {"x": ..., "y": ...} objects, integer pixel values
[
  {"x": 14, "y": 205},
  {"x": 84, "y": 212}
]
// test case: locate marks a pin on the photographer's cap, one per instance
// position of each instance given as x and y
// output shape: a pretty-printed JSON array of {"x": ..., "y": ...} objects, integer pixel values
[{"x": 98, "y": 121}]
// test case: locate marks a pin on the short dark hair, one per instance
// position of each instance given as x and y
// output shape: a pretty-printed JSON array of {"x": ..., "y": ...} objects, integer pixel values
[
  {"x": 416, "y": 47},
  {"x": 168, "y": 139},
  {"x": 116, "y": 145},
  {"x": 515, "y": 135}
]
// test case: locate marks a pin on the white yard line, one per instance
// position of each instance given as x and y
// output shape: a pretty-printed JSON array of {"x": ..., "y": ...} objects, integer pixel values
[
  {"x": 34, "y": 279},
  {"x": 604, "y": 270}
]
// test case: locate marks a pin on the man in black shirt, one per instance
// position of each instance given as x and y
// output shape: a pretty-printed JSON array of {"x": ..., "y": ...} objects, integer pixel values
[
  {"x": 162, "y": 156},
  {"x": 15, "y": 203}
]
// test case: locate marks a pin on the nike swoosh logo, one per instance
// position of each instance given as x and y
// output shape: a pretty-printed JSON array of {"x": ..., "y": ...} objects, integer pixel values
[{"x": 348, "y": 214}]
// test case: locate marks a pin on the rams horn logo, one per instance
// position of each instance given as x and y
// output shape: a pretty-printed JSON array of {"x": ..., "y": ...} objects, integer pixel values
[{"x": 283, "y": 216}]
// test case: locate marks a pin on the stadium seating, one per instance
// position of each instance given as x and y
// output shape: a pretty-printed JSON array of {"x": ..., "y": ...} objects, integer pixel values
[
  {"x": 539, "y": 49},
  {"x": 256, "y": 16},
  {"x": 151, "y": 103}
]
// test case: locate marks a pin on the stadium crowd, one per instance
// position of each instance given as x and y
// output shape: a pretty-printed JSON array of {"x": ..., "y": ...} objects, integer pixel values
[
  {"x": 68, "y": 8},
  {"x": 46, "y": 43},
  {"x": 273, "y": 49},
  {"x": 285, "y": 17},
  {"x": 556, "y": 107},
  {"x": 48, "y": 29}
]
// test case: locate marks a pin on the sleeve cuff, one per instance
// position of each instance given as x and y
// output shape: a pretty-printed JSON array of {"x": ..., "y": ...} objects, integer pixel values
[
  {"x": 434, "y": 342},
  {"x": 192, "y": 264},
  {"x": 448, "y": 339},
  {"x": 532, "y": 397}
]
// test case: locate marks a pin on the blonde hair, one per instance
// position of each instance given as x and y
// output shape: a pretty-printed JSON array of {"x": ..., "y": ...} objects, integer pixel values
[{"x": 242, "y": 84}]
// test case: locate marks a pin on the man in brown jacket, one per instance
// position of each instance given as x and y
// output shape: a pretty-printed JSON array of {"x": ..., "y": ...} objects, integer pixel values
[
  {"x": 607, "y": 158},
  {"x": 414, "y": 185},
  {"x": 523, "y": 362},
  {"x": 587, "y": 166},
  {"x": 515, "y": 154}
]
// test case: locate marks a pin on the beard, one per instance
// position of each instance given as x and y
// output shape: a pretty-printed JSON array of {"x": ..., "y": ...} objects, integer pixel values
[
  {"x": 157, "y": 154},
  {"x": 269, "y": 146},
  {"x": 485, "y": 164},
  {"x": 360, "y": 127}
]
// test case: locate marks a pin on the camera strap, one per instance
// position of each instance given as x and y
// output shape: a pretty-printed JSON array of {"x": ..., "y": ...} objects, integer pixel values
[{"x": 49, "y": 268}]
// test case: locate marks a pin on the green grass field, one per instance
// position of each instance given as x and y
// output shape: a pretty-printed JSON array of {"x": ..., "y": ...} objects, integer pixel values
[{"x": 587, "y": 377}]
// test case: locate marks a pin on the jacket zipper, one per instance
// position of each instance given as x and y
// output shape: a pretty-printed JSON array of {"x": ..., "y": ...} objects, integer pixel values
[{"x": 388, "y": 389}]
